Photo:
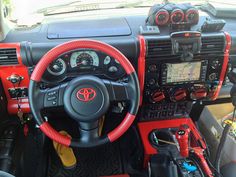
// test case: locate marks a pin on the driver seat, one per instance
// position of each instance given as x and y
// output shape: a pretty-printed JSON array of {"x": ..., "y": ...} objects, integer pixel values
[{"x": 5, "y": 174}]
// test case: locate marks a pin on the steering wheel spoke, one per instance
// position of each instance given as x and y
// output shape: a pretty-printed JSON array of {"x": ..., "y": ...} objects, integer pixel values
[
  {"x": 53, "y": 97},
  {"x": 118, "y": 91},
  {"x": 88, "y": 131}
]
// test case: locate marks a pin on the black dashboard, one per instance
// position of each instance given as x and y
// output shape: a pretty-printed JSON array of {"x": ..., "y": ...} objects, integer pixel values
[{"x": 206, "y": 69}]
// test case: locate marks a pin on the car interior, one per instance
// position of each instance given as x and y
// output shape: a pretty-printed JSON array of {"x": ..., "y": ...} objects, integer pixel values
[{"x": 101, "y": 88}]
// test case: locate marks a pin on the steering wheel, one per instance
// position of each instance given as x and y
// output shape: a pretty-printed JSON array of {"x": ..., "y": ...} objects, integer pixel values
[{"x": 85, "y": 98}]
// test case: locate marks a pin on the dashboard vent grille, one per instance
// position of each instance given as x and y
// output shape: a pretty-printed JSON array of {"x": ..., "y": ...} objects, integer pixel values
[
  {"x": 213, "y": 44},
  {"x": 162, "y": 48},
  {"x": 8, "y": 56},
  {"x": 158, "y": 48}
]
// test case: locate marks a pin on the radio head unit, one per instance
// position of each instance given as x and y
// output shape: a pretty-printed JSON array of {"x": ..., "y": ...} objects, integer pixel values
[{"x": 185, "y": 72}]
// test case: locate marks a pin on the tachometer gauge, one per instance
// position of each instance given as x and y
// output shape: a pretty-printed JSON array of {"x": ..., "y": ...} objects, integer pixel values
[
  {"x": 84, "y": 59},
  {"x": 57, "y": 67}
]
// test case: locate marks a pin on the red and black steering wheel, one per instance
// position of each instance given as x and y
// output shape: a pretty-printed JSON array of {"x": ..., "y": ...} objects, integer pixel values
[{"x": 85, "y": 98}]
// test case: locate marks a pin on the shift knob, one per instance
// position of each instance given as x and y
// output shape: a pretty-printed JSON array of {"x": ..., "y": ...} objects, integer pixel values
[{"x": 182, "y": 136}]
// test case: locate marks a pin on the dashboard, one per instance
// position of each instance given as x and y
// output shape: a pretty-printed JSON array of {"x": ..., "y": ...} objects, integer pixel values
[
  {"x": 80, "y": 62},
  {"x": 163, "y": 75}
]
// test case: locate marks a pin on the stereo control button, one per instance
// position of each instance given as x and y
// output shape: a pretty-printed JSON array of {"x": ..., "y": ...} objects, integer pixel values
[
  {"x": 152, "y": 68},
  {"x": 152, "y": 82}
]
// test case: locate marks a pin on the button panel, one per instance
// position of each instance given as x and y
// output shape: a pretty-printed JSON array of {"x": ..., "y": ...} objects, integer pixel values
[
  {"x": 20, "y": 92},
  {"x": 51, "y": 97},
  {"x": 165, "y": 111}
]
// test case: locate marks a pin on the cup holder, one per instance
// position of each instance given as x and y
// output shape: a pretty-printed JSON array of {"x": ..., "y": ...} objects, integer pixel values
[{"x": 157, "y": 135}]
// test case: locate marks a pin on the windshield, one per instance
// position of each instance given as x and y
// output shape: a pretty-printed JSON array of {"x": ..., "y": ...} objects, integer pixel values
[{"x": 16, "y": 10}]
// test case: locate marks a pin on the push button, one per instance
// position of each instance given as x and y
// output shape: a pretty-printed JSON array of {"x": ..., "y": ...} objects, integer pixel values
[{"x": 51, "y": 98}]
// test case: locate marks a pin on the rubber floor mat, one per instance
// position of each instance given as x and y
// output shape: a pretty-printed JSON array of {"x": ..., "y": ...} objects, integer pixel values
[{"x": 91, "y": 162}]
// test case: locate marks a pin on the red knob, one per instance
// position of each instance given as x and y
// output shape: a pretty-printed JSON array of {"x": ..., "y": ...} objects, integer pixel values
[
  {"x": 199, "y": 94},
  {"x": 182, "y": 136},
  {"x": 158, "y": 96},
  {"x": 180, "y": 94}
]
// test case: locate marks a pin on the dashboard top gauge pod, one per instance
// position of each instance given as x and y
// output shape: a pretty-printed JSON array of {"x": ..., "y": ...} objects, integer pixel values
[
  {"x": 192, "y": 16},
  {"x": 162, "y": 17},
  {"x": 177, "y": 16}
]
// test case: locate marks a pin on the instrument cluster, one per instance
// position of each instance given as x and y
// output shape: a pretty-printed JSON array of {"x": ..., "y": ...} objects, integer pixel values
[{"x": 78, "y": 62}]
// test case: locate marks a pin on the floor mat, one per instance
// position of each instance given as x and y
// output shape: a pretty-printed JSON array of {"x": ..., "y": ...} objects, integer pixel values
[{"x": 105, "y": 160}]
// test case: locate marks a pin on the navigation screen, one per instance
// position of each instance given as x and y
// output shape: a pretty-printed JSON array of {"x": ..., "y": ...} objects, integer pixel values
[{"x": 183, "y": 72}]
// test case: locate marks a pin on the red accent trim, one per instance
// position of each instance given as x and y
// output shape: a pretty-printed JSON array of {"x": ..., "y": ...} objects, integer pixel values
[
  {"x": 54, "y": 135},
  {"x": 224, "y": 66},
  {"x": 12, "y": 105},
  {"x": 26, "y": 130},
  {"x": 19, "y": 69},
  {"x": 79, "y": 44},
  {"x": 174, "y": 13},
  {"x": 122, "y": 128},
  {"x": 141, "y": 65},
  {"x": 86, "y": 94},
  {"x": 199, "y": 153},
  {"x": 162, "y": 12},
  {"x": 146, "y": 127}
]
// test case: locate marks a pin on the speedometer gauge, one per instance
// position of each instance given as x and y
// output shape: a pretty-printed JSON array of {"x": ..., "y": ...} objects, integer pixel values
[
  {"x": 57, "y": 67},
  {"x": 84, "y": 59}
]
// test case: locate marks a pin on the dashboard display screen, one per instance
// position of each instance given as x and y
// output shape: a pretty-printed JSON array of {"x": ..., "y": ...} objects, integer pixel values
[{"x": 183, "y": 72}]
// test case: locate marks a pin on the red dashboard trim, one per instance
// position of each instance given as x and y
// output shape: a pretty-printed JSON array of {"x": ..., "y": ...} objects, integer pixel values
[
  {"x": 225, "y": 65},
  {"x": 19, "y": 69},
  {"x": 141, "y": 65}
]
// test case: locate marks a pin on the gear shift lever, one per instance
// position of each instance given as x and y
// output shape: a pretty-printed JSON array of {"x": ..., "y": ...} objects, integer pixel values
[{"x": 182, "y": 136}]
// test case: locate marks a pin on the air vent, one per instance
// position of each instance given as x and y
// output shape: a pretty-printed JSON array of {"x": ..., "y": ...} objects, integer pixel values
[
  {"x": 8, "y": 56},
  {"x": 213, "y": 44},
  {"x": 158, "y": 48}
]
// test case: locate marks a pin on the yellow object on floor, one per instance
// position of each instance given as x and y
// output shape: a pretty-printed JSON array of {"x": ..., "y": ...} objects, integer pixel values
[{"x": 65, "y": 153}]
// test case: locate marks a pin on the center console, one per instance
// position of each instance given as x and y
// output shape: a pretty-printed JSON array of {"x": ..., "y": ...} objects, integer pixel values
[
  {"x": 180, "y": 69},
  {"x": 177, "y": 69}
]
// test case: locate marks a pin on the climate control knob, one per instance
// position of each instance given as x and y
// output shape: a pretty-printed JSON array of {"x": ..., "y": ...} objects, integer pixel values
[
  {"x": 179, "y": 95},
  {"x": 157, "y": 96},
  {"x": 198, "y": 94}
]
